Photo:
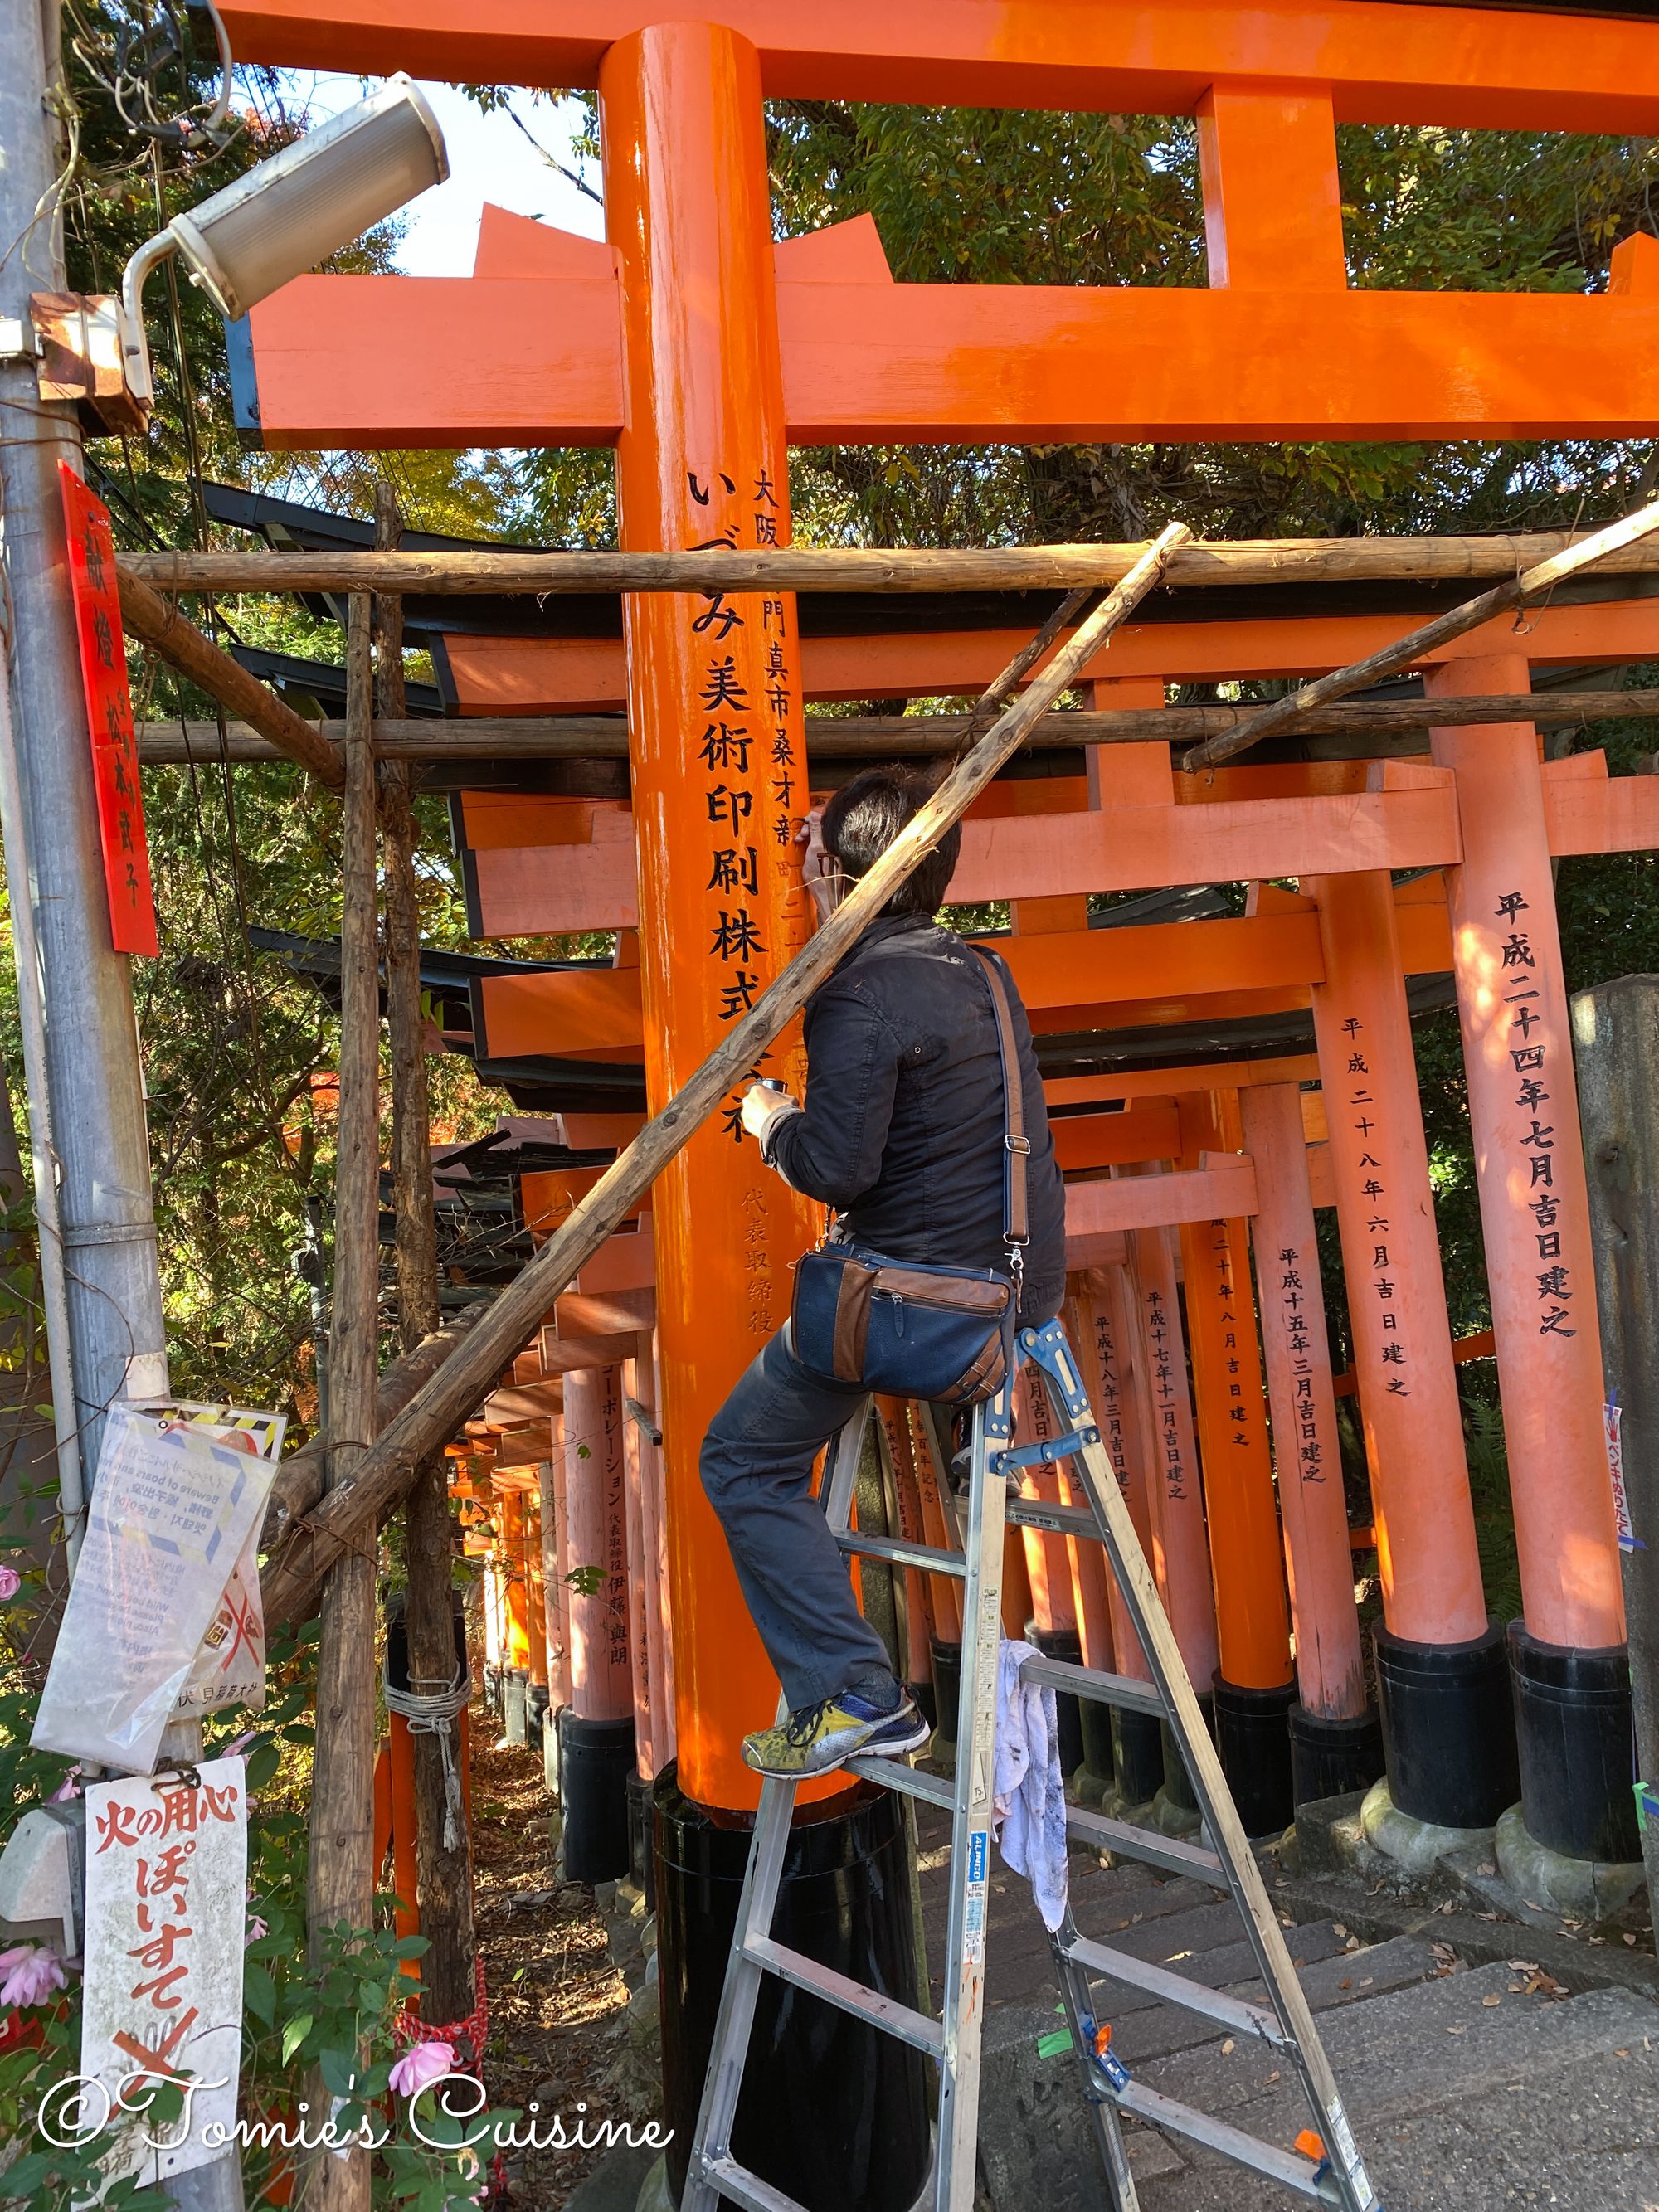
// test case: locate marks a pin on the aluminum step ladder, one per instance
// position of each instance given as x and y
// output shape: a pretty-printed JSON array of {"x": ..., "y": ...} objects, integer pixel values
[{"x": 1327, "y": 2168}]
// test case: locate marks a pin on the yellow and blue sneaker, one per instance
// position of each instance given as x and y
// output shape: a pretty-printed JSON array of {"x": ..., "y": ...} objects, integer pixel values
[{"x": 817, "y": 1738}]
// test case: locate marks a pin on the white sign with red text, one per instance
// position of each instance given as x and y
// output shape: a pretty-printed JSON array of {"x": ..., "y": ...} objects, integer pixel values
[{"x": 166, "y": 1927}]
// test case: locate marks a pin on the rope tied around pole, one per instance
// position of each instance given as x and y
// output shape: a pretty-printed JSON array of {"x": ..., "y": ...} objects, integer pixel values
[{"x": 434, "y": 1712}]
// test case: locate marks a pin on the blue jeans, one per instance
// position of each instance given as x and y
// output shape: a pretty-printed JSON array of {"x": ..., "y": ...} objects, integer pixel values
[{"x": 756, "y": 1468}]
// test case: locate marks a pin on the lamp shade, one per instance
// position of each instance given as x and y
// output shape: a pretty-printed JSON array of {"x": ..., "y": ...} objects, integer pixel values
[{"x": 316, "y": 195}]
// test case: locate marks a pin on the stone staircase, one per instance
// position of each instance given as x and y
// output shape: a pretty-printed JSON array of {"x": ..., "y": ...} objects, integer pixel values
[{"x": 1470, "y": 2087}]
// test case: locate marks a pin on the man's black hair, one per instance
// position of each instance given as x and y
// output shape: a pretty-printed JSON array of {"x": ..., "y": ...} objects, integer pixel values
[{"x": 864, "y": 816}]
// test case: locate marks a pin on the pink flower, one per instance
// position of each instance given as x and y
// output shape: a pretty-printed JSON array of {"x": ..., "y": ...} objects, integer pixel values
[
  {"x": 28, "y": 1974},
  {"x": 239, "y": 1744},
  {"x": 256, "y": 1930},
  {"x": 68, "y": 1788},
  {"x": 10, "y": 1582},
  {"x": 421, "y": 2065}
]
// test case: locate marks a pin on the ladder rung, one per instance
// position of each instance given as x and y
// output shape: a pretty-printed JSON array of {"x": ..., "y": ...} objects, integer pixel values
[
  {"x": 898, "y": 1553},
  {"x": 1106, "y": 1689},
  {"x": 885, "y": 2012},
  {"x": 908, "y": 1781},
  {"x": 744, "y": 2188},
  {"x": 1143, "y": 1844},
  {"x": 1045, "y": 1453},
  {"x": 1176, "y": 1988},
  {"x": 1287, "y": 2167}
]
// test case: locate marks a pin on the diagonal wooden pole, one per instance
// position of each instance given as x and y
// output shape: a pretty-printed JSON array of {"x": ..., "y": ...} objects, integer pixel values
[
  {"x": 1285, "y": 713},
  {"x": 384, "y": 1472}
]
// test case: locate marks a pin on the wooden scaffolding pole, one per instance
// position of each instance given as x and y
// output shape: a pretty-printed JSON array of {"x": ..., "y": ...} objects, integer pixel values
[
  {"x": 821, "y": 569},
  {"x": 883, "y": 737},
  {"x": 341, "y": 1884},
  {"x": 1620, "y": 537},
  {"x": 466, "y": 1376},
  {"x": 443, "y": 1892}
]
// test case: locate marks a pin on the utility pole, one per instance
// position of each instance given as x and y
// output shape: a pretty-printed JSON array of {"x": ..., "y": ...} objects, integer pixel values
[{"x": 90, "y": 1075}]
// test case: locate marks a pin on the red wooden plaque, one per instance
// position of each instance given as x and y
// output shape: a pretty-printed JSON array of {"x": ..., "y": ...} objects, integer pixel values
[{"x": 109, "y": 716}]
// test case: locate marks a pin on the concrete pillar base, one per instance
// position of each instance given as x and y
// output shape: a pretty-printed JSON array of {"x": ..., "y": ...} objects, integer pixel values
[
  {"x": 1116, "y": 1806},
  {"x": 1585, "y": 1889},
  {"x": 1089, "y": 1789},
  {"x": 1414, "y": 1844},
  {"x": 1171, "y": 1817}
]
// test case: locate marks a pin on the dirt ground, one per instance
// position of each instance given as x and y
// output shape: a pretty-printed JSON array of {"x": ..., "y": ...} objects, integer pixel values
[{"x": 558, "y": 2007}]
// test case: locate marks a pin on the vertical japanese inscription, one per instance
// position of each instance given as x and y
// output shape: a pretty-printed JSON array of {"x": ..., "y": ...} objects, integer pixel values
[
  {"x": 1298, "y": 1325},
  {"x": 1532, "y": 1139},
  {"x": 1364, "y": 1114}
]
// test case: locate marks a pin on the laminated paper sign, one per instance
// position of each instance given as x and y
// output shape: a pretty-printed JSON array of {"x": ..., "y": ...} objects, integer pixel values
[
  {"x": 166, "y": 1926},
  {"x": 230, "y": 1665},
  {"x": 173, "y": 1511}
]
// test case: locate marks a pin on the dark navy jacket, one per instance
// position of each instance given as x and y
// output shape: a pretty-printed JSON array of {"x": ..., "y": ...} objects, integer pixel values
[{"x": 903, "y": 1124}]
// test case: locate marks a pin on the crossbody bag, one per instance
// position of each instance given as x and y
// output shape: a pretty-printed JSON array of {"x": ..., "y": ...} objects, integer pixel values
[{"x": 911, "y": 1330}]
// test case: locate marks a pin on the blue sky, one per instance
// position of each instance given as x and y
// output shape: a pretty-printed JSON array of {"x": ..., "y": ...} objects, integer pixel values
[{"x": 490, "y": 159}]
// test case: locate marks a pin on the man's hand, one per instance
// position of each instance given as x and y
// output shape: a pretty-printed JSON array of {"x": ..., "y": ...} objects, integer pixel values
[{"x": 763, "y": 1111}]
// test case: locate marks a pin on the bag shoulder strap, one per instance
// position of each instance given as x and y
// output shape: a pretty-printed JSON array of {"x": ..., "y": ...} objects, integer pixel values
[{"x": 1016, "y": 1144}]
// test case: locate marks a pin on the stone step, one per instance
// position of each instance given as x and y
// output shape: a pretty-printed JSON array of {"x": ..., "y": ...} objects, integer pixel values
[
  {"x": 1455, "y": 2042},
  {"x": 1336, "y": 1977},
  {"x": 1583, "y": 2137}
]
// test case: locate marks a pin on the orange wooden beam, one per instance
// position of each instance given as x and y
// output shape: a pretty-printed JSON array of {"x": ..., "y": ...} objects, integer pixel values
[
  {"x": 1379, "y": 63},
  {"x": 1221, "y": 1188}
]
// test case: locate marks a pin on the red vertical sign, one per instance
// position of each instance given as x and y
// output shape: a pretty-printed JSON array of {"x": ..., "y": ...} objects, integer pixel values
[{"x": 109, "y": 716}]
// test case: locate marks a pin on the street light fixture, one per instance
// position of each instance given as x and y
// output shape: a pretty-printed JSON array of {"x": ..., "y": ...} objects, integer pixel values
[{"x": 292, "y": 211}]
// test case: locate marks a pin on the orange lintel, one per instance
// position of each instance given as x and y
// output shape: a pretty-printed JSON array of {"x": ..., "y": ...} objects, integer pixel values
[
  {"x": 1120, "y": 848},
  {"x": 1220, "y": 1188},
  {"x": 552, "y": 675},
  {"x": 1162, "y": 1082},
  {"x": 1481, "y": 1346},
  {"x": 401, "y": 361},
  {"x": 1091, "y": 978},
  {"x": 1380, "y": 63}
]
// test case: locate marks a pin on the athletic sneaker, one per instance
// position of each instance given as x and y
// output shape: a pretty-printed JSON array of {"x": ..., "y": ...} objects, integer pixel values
[{"x": 819, "y": 1737}]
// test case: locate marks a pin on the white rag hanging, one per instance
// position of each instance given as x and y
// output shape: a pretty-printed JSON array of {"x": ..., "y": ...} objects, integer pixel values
[{"x": 1028, "y": 1785}]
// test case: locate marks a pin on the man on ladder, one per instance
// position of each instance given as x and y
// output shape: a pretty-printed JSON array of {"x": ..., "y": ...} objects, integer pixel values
[{"x": 905, "y": 1132}]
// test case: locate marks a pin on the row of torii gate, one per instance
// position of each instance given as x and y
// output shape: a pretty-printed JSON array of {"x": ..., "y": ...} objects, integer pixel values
[{"x": 701, "y": 348}]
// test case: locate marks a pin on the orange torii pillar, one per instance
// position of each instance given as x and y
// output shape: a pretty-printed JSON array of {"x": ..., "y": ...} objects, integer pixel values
[
  {"x": 515, "y": 1657},
  {"x": 642, "y": 1452},
  {"x": 719, "y": 768},
  {"x": 920, "y": 1620},
  {"x": 596, "y": 1736},
  {"x": 1053, "y": 1568},
  {"x": 556, "y": 1592},
  {"x": 538, "y": 1697},
  {"x": 1336, "y": 1745},
  {"x": 1254, "y": 1682},
  {"x": 1131, "y": 1772},
  {"x": 1181, "y": 1555},
  {"x": 1568, "y": 1663},
  {"x": 1448, "y": 1737}
]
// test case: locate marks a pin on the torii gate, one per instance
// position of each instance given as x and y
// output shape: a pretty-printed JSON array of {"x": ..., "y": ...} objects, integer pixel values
[{"x": 700, "y": 358}]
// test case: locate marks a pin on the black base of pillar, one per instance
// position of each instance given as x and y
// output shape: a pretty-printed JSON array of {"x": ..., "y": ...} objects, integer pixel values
[
  {"x": 492, "y": 1689},
  {"x": 551, "y": 1750},
  {"x": 833, "y": 2113},
  {"x": 1137, "y": 1756},
  {"x": 1448, "y": 1731},
  {"x": 1177, "y": 1782},
  {"x": 641, "y": 1862},
  {"x": 1063, "y": 1643},
  {"x": 515, "y": 1705},
  {"x": 595, "y": 1761},
  {"x": 1330, "y": 1759},
  {"x": 1098, "y": 1763},
  {"x": 1572, "y": 1725},
  {"x": 922, "y": 1695},
  {"x": 535, "y": 1719},
  {"x": 947, "y": 1689},
  {"x": 1253, "y": 1738}
]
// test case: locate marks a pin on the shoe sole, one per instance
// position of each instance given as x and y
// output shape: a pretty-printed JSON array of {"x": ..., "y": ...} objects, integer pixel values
[{"x": 894, "y": 1749}]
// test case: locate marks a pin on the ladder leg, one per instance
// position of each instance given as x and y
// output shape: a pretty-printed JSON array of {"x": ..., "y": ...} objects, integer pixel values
[
  {"x": 1048, "y": 1349},
  {"x": 729, "y": 2049},
  {"x": 963, "y": 2010},
  {"x": 1121, "y": 2195}
]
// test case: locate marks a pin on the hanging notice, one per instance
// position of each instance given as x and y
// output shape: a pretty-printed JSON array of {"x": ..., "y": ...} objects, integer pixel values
[
  {"x": 173, "y": 1511},
  {"x": 167, "y": 1877},
  {"x": 109, "y": 715},
  {"x": 230, "y": 1666},
  {"x": 1628, "y": 1539}
]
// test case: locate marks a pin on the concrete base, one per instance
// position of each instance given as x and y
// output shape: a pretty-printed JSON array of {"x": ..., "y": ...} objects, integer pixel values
[
  {"x": 1088, "y": 1788},
  {"x": 1171, "y": 1817},
  {"x": 654, "y": 2194},
  {"x": 1416, "y": 1845},
  {"x": 1588, "y": 1889},
  {"x": 1113, "y": 1809}
]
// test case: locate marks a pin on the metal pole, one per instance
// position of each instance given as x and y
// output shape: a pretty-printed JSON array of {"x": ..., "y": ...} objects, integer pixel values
[{"x": 92, "y": 1078}]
